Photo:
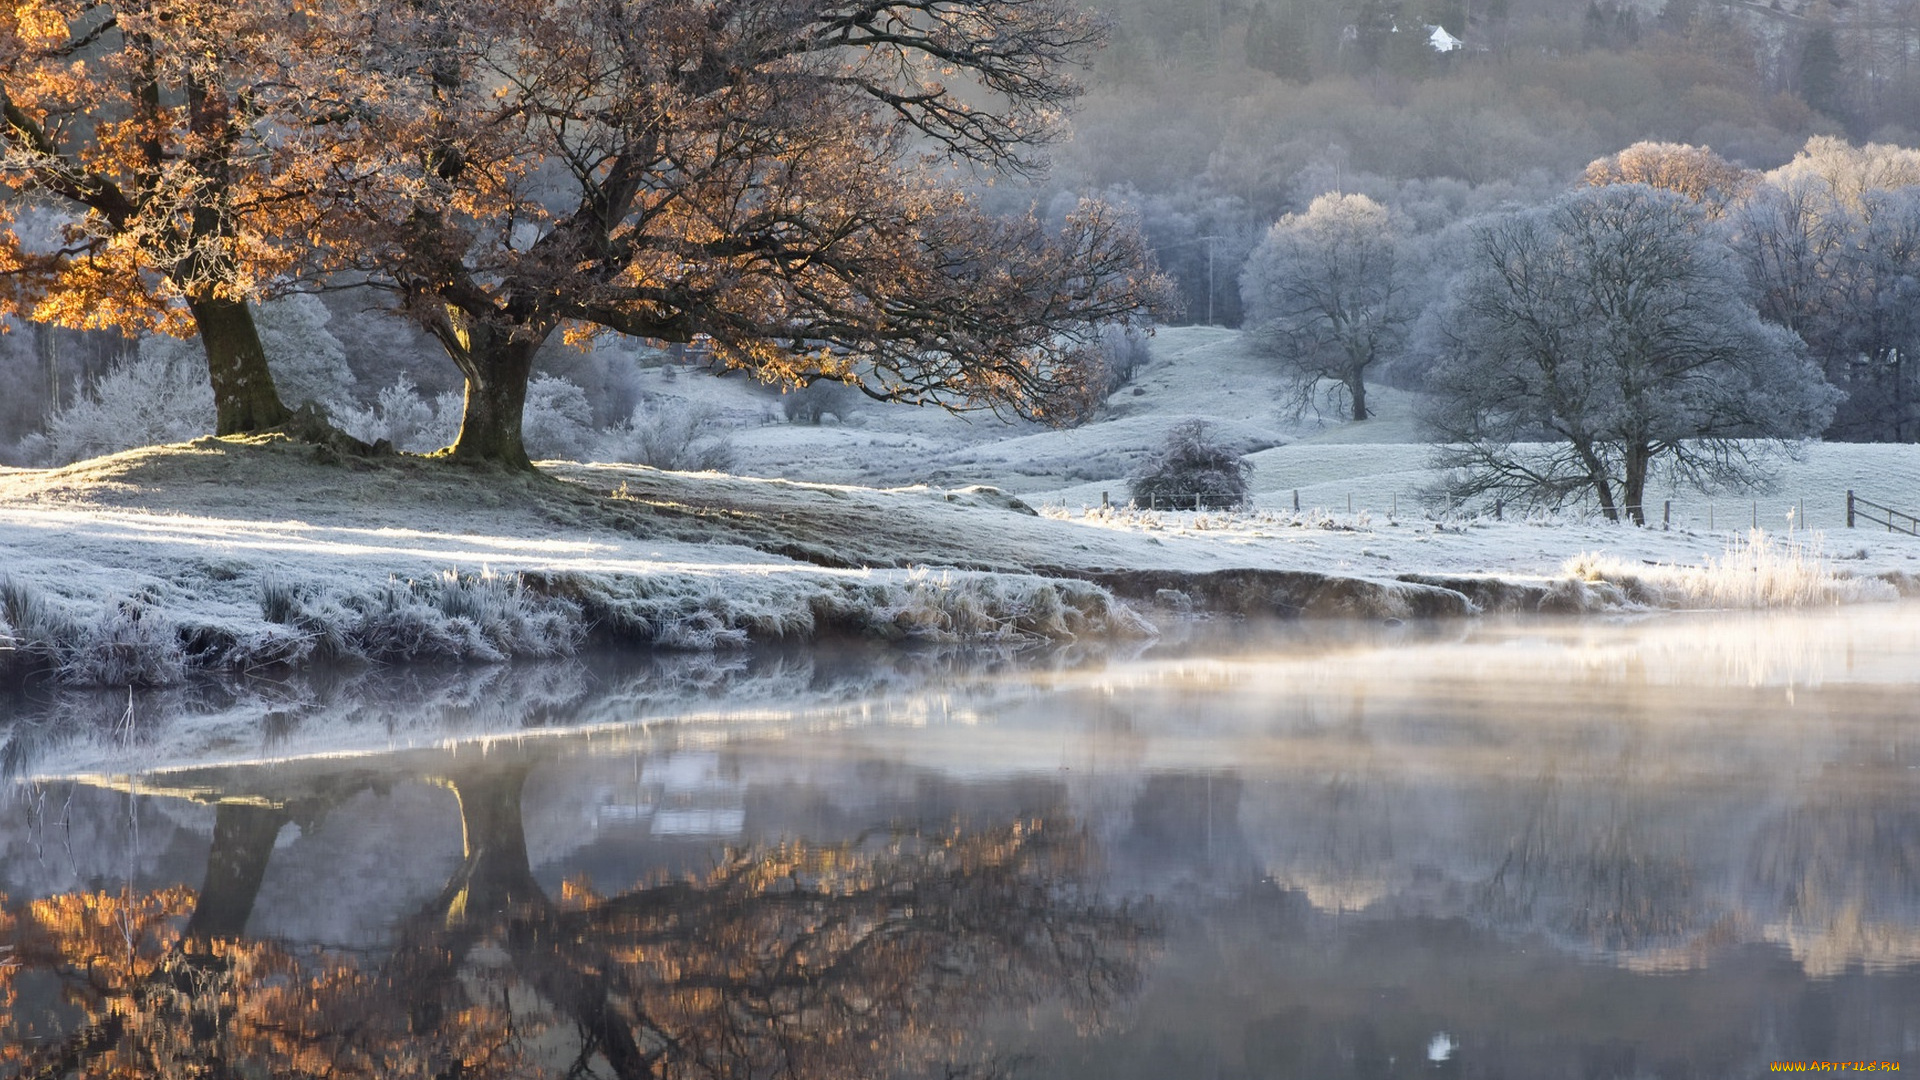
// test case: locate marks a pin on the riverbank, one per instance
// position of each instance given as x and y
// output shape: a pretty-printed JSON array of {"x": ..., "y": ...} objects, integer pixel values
[{"x": 236, "y": 555}]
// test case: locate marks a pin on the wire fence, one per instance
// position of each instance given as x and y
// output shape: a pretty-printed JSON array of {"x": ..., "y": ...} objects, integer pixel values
[{"x": 1777, "y": 512}]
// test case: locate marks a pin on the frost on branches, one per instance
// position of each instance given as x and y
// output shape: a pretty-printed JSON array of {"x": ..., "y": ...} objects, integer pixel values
[{"x": 748, "y": 173}]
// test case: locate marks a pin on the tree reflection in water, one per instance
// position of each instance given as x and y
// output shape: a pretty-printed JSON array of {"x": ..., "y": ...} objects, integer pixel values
[{"x": 870, "y": 957}]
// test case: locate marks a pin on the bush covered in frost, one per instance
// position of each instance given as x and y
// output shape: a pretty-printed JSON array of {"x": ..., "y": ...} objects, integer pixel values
[
  {"x": 557, "y": 421},
  {"x": 309, "y": 366},
  {"x": 160, "y": 396},
  {"x": 399, "y": 417},
  {"x": 1192, "y": 470},
  {"x": 688, "y": 439}
]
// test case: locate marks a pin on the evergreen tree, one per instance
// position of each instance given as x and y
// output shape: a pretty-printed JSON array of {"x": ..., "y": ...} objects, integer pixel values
[
  {"x": 1820, "y": 71},
  {"x": 1373, "y": 31},
  {"x": 1277, "y": 41}
]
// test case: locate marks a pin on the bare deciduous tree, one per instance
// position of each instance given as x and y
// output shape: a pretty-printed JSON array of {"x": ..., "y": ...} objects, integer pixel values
[
  {"x": 1830, "y": 244},
  {"x": 1589, "y": 342},
  {"x": 1327, "y": 295}
]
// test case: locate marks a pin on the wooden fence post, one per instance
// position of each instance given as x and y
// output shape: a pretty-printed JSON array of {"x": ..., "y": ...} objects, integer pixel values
[{"x": 1849, "y": 508}]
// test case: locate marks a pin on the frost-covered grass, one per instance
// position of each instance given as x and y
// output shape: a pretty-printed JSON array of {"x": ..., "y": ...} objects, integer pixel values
[
  {"x": 1757, "y": 570},
  {"x": 449, "y": 616},
  {"x": 126, "y": 643},
  {"x": 460, "y": 618},
  {"x": 147, "y": 566},
  {"x": 231, "y": 555},
  {"x": 686, "y": 611}
]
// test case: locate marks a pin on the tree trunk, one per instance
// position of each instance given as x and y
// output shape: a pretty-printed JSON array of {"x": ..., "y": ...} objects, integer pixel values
[
  {"x": 244, "y": 398},
  {"x": 1633, "y": 486},
  {"x": 494, "y": 874},
  {"x": 497, "y": 366},
  {"x": 243, "y": 838},
  {"x": 1597, "y": 476},
  {"x": 1357, "y": 390}
]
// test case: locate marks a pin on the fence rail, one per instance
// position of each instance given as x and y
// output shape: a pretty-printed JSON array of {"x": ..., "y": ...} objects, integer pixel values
[{"x": 1895, "y": 520}]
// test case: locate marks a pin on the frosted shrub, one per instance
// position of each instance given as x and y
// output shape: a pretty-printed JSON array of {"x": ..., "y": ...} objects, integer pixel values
[
  {"x": 1192, "y": 470},
  {"x": 811, "y": 403},
  {"x": 688, "y": 439},
  {"x": 160, "y": 396},
  {"x": 557, "y": 421},
  {"x": 309, "y": 366},
  {"x": 401, "y": 418}
]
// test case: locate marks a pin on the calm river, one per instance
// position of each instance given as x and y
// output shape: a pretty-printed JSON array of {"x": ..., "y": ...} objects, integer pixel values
[{"x": 1681, "y": 846}]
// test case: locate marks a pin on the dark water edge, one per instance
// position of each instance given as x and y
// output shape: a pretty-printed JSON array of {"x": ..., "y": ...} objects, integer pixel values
[{"x": 1674, "y": 847}]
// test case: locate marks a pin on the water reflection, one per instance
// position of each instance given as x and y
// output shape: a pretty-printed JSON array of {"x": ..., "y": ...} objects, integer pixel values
[
  {"x": 865, "y": 956},
  {"x": 1672, "y": 847}
]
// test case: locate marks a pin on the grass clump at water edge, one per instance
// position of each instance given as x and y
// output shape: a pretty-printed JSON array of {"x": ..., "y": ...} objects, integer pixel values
[
  {"x": 130, "y": 642},
  {"x": 1757, "y": 570}
]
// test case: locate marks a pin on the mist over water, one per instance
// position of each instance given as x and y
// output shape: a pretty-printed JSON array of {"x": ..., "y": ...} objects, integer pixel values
[{"x": 1670, "y": 846}]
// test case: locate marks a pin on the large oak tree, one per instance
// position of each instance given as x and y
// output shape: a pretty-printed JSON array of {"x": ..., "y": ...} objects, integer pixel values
[
  {"x": 779, "y": 178},
  {"x": 132, "y": 121}
]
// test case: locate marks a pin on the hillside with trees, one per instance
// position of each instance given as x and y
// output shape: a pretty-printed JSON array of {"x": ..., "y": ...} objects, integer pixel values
[{"x": 1210, "y": 129}]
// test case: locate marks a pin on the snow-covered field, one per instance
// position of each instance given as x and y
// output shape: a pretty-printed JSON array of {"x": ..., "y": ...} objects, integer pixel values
[{"x": 256, "y": 552}]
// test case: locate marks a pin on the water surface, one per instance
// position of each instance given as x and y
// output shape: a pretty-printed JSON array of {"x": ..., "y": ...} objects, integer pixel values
[{"x": 1684, "y": 846}]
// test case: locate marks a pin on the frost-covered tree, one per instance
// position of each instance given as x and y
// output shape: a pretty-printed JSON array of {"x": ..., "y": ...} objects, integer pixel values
[
  {"x": 1694, "y": 171},
  {"x": 403, "y": 420},
  {"x": 1830, "y": 244},
  {"x": 309, "y": 366},
  {"x": 559, "y": 421},
  {"x": 137, "y": 121},
  {"x": 1192, "y": 470},
  {"x": 1327, "y": 295},
  {"x": 160, "y": 396},
  {"x": 1589, "y": 342},
  {"x": 680, "y": 437}
]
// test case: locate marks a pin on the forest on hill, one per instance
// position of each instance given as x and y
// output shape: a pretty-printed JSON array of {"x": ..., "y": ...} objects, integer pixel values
[
  {"x": 1210, "y": 123},
  {"x": 1215, "y": 119}
]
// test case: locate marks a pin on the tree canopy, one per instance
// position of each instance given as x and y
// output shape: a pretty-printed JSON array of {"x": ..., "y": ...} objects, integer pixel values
[
  {"x": 132, "y": 124},
  {"x": 772, "y": 178}
]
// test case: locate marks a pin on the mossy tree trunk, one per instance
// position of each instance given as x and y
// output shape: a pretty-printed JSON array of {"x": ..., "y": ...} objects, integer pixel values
[
  {"x": 497, "y": 361},
  {"x": 244, "y": 396}
]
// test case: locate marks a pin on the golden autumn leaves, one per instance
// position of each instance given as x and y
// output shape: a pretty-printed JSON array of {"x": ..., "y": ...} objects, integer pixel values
[
  {"x": 768, "y": 175},
  {"x": 853, "y": 958}
]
